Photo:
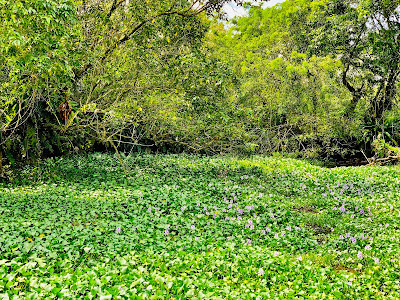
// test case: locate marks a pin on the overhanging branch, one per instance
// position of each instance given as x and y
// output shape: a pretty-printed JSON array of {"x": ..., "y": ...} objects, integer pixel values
[{"x": 184, "y": 13}]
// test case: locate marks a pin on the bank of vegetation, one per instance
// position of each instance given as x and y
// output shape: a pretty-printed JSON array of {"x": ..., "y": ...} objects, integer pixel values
[{"x": 318, "y": 79}]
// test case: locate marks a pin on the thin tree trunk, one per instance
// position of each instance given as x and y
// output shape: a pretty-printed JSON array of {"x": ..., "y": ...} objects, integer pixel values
[{"x": 1, "y": 162}]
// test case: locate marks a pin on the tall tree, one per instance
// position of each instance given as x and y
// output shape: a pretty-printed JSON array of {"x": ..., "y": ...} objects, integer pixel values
[
  {"x": 364, "y": 35},
  {"x": 59, "y": 51}
]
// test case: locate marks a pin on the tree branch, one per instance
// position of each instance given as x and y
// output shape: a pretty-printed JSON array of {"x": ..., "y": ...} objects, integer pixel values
[
  {"x": 126, "y": 37},
  {"x": 114, "y": 6}
]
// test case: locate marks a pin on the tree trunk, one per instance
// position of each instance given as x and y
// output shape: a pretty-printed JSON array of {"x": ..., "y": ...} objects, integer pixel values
[
  {"x": 1, "y": 162},
  {"x": 356, "y": 93}
]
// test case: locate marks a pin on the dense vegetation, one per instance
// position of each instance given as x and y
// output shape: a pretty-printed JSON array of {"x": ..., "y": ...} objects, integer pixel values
[
  {"x": 314, "y": 78},
  {"x": 181, "y": 227},
  {"x": 317, "y": 79}
]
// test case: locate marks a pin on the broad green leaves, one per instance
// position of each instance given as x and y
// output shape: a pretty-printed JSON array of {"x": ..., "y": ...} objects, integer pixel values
[{"x": 302, "y": 225}]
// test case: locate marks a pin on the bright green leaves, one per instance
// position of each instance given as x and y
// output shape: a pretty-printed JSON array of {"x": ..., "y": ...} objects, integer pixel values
[
  {"x": 364, "y": 36},
  {"x": 279, "y": 83},
  {"x": 59, "y": 229},
  {"x": 34, "y": 44}
]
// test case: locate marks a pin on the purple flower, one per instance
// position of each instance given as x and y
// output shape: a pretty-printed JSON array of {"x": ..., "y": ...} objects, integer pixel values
[
  {"x": 118, "y": 230},
  {"x": 149, "y": 209},
  {"x": 276, "y": 253},
  {"x": 376, "y": 260},
  {"x": 352, "y": 216},
  {"x": 341, "y": 237},
  {"x": 289, "y": 228},
  {"x": 239, "y": 217},
  {"x": 353, "y": 240},
  {"x": 334, "y": 208},
  {"x": 276, "y": 235},
  {"x": 229, "y": 206},
  {"x": 196, "y": 238},
  {"x": 198, "y": 204},
  {"x": 166, "y": 232},
  {"x": 299, "y": 258},
  {"x": 356, "y": 208},
  {"x": 359, "y": 255},
  {"x": 268, "y": 229},
  {"x": 342, "y": 209},
  {"x": 324, "y": 195},
  {"x": 240, "y": 210},
  {"x": 361, "y": 211},
  {"x": 224, "y": 210},
  {"x": 263, "y": 231},
  {"x": 386, "y": 225},
  {"x": 260, "y": 272},
  {"x": 227, "y": 218},
  {"x": 248, "y": 242},
  {"x": 192, "y": 227},
  {"x": 120, "y": 288},
  {"x": 368, "y": 247},
  {"x": 205, "y": 207}
]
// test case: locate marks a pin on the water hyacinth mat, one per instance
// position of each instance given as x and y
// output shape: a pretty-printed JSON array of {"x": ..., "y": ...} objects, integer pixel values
[{"x": 193, "y": 227}]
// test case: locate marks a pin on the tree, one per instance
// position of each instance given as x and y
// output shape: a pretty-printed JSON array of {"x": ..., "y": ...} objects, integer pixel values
[
  {"x": 77, "y": 51},
  {"x": 364, "y": 35},
  {"x": 293, "y": 102}
]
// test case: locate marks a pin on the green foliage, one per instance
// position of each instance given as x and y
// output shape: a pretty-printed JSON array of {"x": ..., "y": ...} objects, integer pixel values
[
  {"x": 76, "y": 227},
  {"x": 294, "y": 102},
  {"x": 314, "y": 78},
  {"x": 35, "y": 38},
  {"x": 364, "y": 35}
]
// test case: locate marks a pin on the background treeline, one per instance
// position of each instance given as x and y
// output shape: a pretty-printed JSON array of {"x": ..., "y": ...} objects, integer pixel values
[{"x": 314, "y": 78}]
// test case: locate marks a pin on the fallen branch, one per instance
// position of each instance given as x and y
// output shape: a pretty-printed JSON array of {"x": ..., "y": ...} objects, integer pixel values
[{"x": 383, "y": 160}]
